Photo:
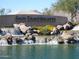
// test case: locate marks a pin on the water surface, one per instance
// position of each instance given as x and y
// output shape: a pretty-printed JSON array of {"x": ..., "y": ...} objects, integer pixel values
[{"x": 40, "y": 52}]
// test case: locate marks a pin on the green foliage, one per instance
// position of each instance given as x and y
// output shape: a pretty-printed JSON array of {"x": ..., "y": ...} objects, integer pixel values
[
  {"x": 67, "y": 5},
  {"x": 47, "y": 11},
  {"x": 45, "y": 30},
  {"x": 70, "y": 6},
  {"x": 73, "y": 23},
  {"x": 4, "y": 11}
]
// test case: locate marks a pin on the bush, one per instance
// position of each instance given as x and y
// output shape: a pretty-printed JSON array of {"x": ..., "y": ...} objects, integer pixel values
[{"x": 45, "y": 30}]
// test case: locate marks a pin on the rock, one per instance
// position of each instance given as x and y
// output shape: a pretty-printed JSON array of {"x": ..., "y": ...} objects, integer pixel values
[
  {"x": 66, "y": 36},
  {"x": 60, "y": 27},
  {"x": 23, "y": 28},
  {"x": 68, "y": 26},
  {"x": 54, "y": 42},
  {"x": 8, "y": 35},
  {"x": 33, "y": 39},
  {"x": 9, "y": 39},
  {"x": 60, "y": 40},
  {"x": 19, "y": 41},
  {"x": 76, "y": 27},
  {"x": 55, "y": 31},
  {"x": 71, "y": 41}
]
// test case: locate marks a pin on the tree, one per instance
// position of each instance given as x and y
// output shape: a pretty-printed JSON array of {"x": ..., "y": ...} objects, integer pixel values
[
  {"x": 70, "y": 6},
  {"x": 4, "y": 11},
  {"x": 47, "y": 11}
]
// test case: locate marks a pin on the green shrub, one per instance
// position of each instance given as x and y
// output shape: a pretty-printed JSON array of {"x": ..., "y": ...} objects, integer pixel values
[{"x": 45, "y": 30}]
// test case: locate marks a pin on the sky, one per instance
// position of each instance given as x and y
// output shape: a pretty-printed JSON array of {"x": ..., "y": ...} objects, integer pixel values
[{"x": 26, "y": 4}]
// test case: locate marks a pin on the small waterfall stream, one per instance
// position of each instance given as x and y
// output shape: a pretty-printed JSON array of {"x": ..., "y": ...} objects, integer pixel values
[{"x": 51, "y": 39}]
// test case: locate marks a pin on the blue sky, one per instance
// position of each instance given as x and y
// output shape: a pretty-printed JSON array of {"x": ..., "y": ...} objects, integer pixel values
[{"x": 26, "y": 4}]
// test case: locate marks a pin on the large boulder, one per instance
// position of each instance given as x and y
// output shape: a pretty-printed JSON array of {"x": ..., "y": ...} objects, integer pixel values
[
  {"x": 76, "y": 28},
  {"x": 66, "y": 36},
  {"x": 69, "y": 38},
  {"x": 8, "y": 35},
  {"x": 23, "y": 28},
  {"x": 60, "y": 27},
  {"x": 68, "y": 26},
  {"x": 60, "y": 40}
]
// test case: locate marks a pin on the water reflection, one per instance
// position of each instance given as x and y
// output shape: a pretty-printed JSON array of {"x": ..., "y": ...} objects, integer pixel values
[{"x": 40, "y": 52}]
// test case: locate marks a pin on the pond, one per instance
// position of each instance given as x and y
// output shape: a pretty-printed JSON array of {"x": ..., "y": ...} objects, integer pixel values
[{"x": 40, "y": 52}]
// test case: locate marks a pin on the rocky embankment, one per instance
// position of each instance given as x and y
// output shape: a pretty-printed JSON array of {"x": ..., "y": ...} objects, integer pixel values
[{"x": 23, "y": 35}]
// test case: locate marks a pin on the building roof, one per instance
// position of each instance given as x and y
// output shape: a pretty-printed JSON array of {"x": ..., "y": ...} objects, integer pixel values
[{"x": 32, "y": 12}]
